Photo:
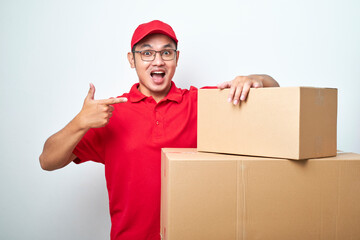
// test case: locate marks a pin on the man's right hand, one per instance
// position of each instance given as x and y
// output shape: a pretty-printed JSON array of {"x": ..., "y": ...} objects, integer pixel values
[
  {"x": 96, "y": 113},
  {"x": 58, "y": 149}
]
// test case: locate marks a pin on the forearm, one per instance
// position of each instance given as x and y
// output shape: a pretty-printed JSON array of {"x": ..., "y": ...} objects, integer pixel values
[
  {"x": 58, "y": 148},
  {"x": 267, "y": 80}
]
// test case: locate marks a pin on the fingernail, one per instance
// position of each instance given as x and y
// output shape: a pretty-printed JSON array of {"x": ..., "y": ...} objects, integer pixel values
[
  {"x": 242, "y": 98},
  {"x": 229, "y": 99},
  {"x": 235, "y": 102}
]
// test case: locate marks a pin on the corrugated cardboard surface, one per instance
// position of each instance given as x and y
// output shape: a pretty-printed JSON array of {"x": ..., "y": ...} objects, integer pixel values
[
  {"x": 291, "y": 122},
  {"x": 218, "y": 196},
  {"x": 318, "y": 115}
]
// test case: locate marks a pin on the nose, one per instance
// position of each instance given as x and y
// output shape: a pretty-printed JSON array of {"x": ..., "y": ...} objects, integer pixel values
[{"x": 158, "y": 59}]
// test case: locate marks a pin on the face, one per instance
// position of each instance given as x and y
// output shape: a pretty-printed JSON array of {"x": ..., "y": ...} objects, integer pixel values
[{"x": 155, "y": 76}]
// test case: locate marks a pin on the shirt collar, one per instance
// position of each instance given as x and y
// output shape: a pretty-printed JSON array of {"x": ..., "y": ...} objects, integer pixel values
[{"x": 175, "y": 94}]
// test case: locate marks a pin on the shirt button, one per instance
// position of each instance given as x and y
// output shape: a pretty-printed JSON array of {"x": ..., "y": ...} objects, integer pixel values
[{"x": 157, "y": 122}]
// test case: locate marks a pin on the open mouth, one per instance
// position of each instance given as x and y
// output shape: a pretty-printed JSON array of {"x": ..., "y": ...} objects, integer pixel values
[{"x": 157, "y": 75}]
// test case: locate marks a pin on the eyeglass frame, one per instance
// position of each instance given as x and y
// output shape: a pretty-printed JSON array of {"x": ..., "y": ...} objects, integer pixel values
[{"x": 156, "y": 53}]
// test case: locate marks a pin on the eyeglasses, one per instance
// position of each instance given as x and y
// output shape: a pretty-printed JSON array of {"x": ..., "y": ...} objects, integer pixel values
[{"x": 149, "y": 55}]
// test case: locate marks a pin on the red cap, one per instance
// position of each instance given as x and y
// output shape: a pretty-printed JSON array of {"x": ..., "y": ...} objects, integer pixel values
[{"x": 154, "y": 26}]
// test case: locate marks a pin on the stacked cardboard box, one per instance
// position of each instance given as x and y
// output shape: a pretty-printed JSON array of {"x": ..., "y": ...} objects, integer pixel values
[
  {"x": 228, "y": 197},
  {"x": 291, "y": 122},
  {"x": 263, "y": 196}
]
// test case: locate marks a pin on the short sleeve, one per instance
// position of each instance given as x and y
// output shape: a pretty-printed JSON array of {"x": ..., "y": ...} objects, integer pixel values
[
  {"x": 209, "y": 87},
  {"x": 91, "y": 146}
]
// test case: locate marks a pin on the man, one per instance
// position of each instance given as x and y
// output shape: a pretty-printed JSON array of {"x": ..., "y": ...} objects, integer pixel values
[{"x": 127, "y": 133}]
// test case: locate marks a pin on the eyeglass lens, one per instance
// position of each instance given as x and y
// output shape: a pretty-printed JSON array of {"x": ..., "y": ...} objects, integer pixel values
[{"x": 166, "y": 54}]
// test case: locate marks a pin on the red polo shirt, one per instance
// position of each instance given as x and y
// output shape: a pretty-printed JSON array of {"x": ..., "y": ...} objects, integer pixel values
[{"x": 129, "y": 146}]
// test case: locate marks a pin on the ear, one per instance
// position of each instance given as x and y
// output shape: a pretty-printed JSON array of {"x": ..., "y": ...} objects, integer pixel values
[
  {"x": 131, "y": 59},
  {"x": 177, "y": 57}
]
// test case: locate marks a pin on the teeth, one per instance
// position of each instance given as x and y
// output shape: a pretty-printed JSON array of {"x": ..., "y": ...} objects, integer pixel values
[{"x": 158, "y": 72}]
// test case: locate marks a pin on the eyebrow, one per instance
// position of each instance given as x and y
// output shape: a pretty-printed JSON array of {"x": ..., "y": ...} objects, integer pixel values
[
  {"x": 167, "y": 45},
  {"x": 148, "y": 45},
  {"x": 145, "y": 45}
]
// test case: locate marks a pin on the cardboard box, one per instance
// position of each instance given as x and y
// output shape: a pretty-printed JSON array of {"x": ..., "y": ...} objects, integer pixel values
[
  {"x": 290, "y": 122},
  {"x": 207, "y": 196}
]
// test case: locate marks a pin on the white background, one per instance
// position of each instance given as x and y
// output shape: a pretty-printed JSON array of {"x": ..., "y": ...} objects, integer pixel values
[{"x": 51, "y": 50}]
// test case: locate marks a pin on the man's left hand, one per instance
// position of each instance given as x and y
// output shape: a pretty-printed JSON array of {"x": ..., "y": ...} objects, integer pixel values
[{"x": 240, "y": 86}]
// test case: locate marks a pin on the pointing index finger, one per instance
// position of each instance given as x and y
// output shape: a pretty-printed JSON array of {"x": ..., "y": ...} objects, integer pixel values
[{"x": 112, "y": 101}]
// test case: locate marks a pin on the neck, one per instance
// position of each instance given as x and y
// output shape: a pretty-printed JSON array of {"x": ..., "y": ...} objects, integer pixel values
[
  {"x": 157, "y": 96},
  {"x": 157, "y": 99}
]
